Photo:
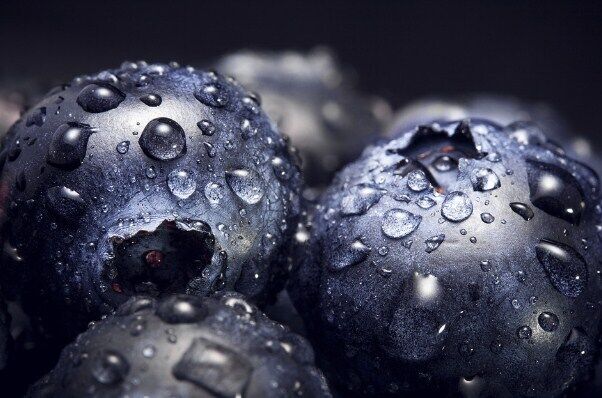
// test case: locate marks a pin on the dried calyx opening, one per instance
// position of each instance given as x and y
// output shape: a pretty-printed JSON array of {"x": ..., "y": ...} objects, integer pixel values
[
  {"x": 437, "y": 154},
  {"x": 163, "y": 260}
]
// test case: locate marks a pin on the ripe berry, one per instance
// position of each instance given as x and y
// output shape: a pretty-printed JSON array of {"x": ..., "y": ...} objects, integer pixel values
[
  {"x": 459, "y": 257},
  {"x": 313, "y": 101},
  {"x": 148, "y": 179},
  {"x": 185, "y": 346}
]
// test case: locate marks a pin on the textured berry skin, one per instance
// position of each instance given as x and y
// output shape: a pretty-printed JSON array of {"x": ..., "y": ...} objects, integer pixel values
[
  {"x": 501, "y": 110},
  {"x": 314, "y": 102},
  {"x": 147, "y": 179},
  {"x": 185, "y": 346},
  {"x": 458, "y": 258}
]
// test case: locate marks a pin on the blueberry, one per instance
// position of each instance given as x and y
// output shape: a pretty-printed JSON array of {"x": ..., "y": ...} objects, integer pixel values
[
  {"x": 490, "y": 287},
  {"x": 313, "y": 102},
  {"x": 111, "y": 193},
  {"x": 185, "y": 346},
  {"x": 501, "y": 110}
]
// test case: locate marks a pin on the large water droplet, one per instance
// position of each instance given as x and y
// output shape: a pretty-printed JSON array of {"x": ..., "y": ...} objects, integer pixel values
[
  {"x": 555, "y": 191},
  {"x": 214, "y": 192},
  {"x": 68, "y": 145},
  {"x": 548, "y": 321},
  {"x": 399, "y": 223},
  {"x": 487, "y": 218},
  {"x": 417, "y": 181},
  {"x": 565, "y": 267},
  {"x": 359, "y": 199},
  {"x": 181, "y": 183},
  {"x": 456, "y": 207},
  {"x": 345, "y": 255},
  {"x": 65, "y": 203},
  {"x": 212, "y": 94},
  {"x": 99, "y": 97},
  {"x": 522, "y": 210},
  {"x": 246, "y": 184},
  {"x": 484, "y": 179},
  {"x": 163, "y": 139},
  {"x": 110, "y": 367}
]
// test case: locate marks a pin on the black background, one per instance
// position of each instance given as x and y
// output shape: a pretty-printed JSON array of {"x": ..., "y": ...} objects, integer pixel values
[{"x": 537, "y": 50}]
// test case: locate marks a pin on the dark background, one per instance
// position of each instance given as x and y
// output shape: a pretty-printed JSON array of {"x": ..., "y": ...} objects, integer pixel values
[{"x": 537, "y": 50}]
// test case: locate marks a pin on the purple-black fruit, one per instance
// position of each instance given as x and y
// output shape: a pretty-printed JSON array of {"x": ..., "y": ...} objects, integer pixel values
[
  {"x": 458, "y": 258},
  {"x": 314, "y": 102},
  {"x": 185, "y": 346},
  {"x": 147, "y": 179},
  {"x": 503, "y": 111},
  {"x": 5, "y": 336}
]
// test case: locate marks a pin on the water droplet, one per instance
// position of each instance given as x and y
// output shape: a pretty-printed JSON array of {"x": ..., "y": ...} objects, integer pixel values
[
  {"x": 522, "y": 210},
  {"x": 110, "y": 368},
  {"x": 555, "y": 191},
  {"x": 68, "y": 145},
  {"x": 484, "y": 179},
  {"x": 150, "y": 172},
  {"x": 282, "y": 168},
  {"x": 99, "y": 97},
  {"x": 149, "y": 351},
  {"x": 426, "y": 202},
  {"x": 123, "y": 147},
  {"x": 399, "y": 223},
  {"x": 181, "y": 309},
  {"x": 163, "y": 139},
  {"x": 434, "y": 242},
  {"x": 181, "y": 183},
  {"x": 565, "y": 267},
  {"x": 445, "y": 163},
  {"x": 65, "y": 203},
  {"x": 214, "y": 192},
  {"x": 548, "y": 321},
  {"x": 524, "y": 332},
  {"x": 246, "y": 184},
  {"x": 487, "y": 218},
  {"x": 210, "y": 149},
  {"x": 486, "y": 265},
  {"x": 212, "y": 94},
  {"x": 151, "y": 99},
  {"x": 456, "y": 207},
  {"x": 345, "y": 255},
  {"x": 360, "y": 199},
  {"x": 206, "y": 127},
  {"x": 417, "y": 181}
]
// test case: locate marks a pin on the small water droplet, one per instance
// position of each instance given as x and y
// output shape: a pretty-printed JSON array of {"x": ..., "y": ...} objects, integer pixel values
[
  {"x": 212, "y": 94},
  {"x": 246, "y": 184},
  {"x": 345, "y": 255},
  {"x": 150, "y": 172},
  {"x": 163, "y": 139},
  {"x": 151, "y": 99},
  {"x": 565, "y": 267},
  {"x": 214, "y": 192},
  {"x": 445, "y": 163},
  {"x": 110, "y": 368},
  {"x": 417, "y": 181},
  {"x": 548, "y": 321},
  {"x": 68, "y": 145},
  {"x": 210, "y": 149},
  {"x": 425, "y": 202},
  {"x": 398, "y": 223},
  {"x": 123, "y": 147},
  {"x": 282, "y": 168},
  {"x": 99, "y": 97},
  {"x": 360, "y": 199},
  {"x": 487, "y": 218},
  {"x": 206, "y": 127},
  {"x": 434, "y": 242},
  {"x": 524, "y": 332},
  {"x": 484, "y": 179},
  {"x": 486, "y": 265},
  {"x": 522, "y": 210},
  {"x": 456, "y": 207},
  {"x": 181, "y": 183},
  {"x": 149, "y": 351}
]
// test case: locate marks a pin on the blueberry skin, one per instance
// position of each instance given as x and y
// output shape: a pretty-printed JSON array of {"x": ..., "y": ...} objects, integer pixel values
[
  {"x": 146, "y": 179},
  {"x": 185, "y": 346},
  {"x": 501, "y": 110},
  {"x": 460, "y": 258},
  {"x": 313, "y": 100}
]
